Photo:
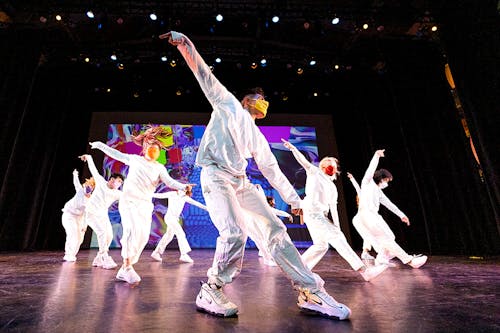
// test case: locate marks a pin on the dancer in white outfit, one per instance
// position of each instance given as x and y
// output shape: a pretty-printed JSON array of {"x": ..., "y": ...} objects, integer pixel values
[
  {"x": 230, "y": 138},
  {"x": 96, "y": 213},
  {"x": 371, "y": 226},
  {"x": 321, "y": 199},
  {"x": 135, "y": 205},
  {"x": 176, "y": 202},
  {"x": 73, "y": 217}
]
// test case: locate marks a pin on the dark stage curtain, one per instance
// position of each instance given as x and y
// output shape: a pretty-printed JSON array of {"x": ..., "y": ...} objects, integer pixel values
[{"x": 43, "y": 130}]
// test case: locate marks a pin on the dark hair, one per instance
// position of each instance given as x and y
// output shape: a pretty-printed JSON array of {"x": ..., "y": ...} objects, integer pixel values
[
  {"x": 117, "y": 175},
  {"x": 252, "y": 91},
  {"x": 381, "y": 174}
]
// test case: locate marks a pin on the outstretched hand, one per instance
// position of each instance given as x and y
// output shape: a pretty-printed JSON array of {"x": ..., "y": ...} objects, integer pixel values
[
  {"x": 83, "y": 157},
  {"x": 171, "y": 40},
  {"x": 286, "y": 144},
  {"x": 349, "y": 175},
  {"x": 406, "y": 220},
  {"x": 189, "y": 189},
  {"x": 380, "y": 152}
]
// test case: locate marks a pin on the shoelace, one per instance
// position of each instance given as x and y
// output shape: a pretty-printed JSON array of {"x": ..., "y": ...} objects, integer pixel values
[{"x": 218, "y": 294}]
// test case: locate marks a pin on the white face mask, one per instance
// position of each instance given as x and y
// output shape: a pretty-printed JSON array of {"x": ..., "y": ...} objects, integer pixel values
[{"x": 383, "y": 185}]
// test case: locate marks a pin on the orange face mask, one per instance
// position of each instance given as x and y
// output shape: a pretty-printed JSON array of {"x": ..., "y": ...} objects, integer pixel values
[{"x": 153, "y": 152}]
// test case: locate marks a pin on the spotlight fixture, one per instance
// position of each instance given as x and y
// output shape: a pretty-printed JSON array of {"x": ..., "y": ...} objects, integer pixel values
[
  {"x": 263, "y": 62},
  {"x": 173, "y": 63},
  {"x": 434, "y": 28},
  {"x": 312, "y": 62},
  {"x": 275, "y": 19},
  {"x": 121, "y": 66},
  {"x": 153, "y": 17},
  {"x": 218, "y": 60},
  {"x": 335, "y": 20},
  {"x": 336, "y": 66},
  {"x": 253, "y": 65},
  {"x": 164, "y": 58},
  {"x": 87, "y": 59},
  {"x": 315, "y": 94},
  {"x": 219, "y": 18},
  {"x": 119, "y": 20},
  {"x": 43, "y": 19},
  {"x": 90, "y": 14},
  {"x": 365, "y": 26},
  {"x": 300, "y": 71},
  {"x": 58, "y": 17},
  {"x": 113, "y": 57}
]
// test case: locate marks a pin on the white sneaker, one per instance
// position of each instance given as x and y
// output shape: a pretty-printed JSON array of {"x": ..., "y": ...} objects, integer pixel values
[
  {"x": 69, "y": 258},
  {"x": 372, "y": 272},
  {"x": 383, "y": 261},
  {"x": 98, "y": 261},
  {"x": 108, "y": 262},
  {"x": 418, "y": 261},
  {"x": 323, "y": 304},
  {"x": 261, "y": 254},
  {"x": 185, "y": 258},
  {"x": 212, "y": 300},
  {"x": 128, "y": 275},
  {"x": 367, "y": 256},
  {"x": 156, "y": 256},
  {"x": 270, "y": 262}
]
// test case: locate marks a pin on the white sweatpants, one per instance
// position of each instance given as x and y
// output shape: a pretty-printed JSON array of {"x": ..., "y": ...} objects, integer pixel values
[
  {"x": 101, "y": 225},
  {"x": 173, "y": 228},
  {"x": 324, "y": 233},
  {"x": 375, "y": 230},
  {"x": 75, "y": 228},
  {"x": 228, "y": 199},
  {"x": 136, "y": 223}
]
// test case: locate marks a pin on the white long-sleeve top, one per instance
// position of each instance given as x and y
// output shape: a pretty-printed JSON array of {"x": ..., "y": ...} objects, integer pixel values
[
  {"x": 176, "y": 201},
  {"x": 102, "y": 196},
  {"x": 76, "y": 205},
  {"x": 371, "y": 195},
  {"x": 231, "y": 135},
  {"x": 143, "y": 175},
  {"x": 355, "y": 184},
  {"x": 321, "y": 192}
]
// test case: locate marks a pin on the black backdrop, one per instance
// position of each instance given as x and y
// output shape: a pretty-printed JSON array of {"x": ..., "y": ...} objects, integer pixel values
[{"x": 407, "y": 109}]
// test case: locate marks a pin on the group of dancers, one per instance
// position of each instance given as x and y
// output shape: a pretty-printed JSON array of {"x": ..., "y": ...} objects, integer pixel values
[{"x": 238, "y": 208}]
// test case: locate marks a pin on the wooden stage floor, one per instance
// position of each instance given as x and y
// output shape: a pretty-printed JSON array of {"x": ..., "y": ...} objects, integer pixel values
[{"x": 40, "y": 293}]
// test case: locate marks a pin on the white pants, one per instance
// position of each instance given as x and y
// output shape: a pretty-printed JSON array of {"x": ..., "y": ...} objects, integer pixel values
[
  {"x": 136, "y": 224},
  {"x": 173, "y": 228},
  {"x": 101, "y": 225},
  {"x": 228, "y": 199},
  {"x": 324, "y": 233},
  {"x": 75, "y": 228},
  {"x": 374, "y": 229}
]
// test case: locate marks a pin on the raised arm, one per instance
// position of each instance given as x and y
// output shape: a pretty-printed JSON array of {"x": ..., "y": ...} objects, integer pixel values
[
  {"x": 111, "y": 152},
  {"x": 165, "y": 195},
  {"x": 93, "y": 170},
  {"x": 373, "y": 166},
  {"x": 298, "y": 155},
  {"x": 76, "y": 181},
  {"x": 212, "y": 88},
  {"x": 354, "y": 183}
]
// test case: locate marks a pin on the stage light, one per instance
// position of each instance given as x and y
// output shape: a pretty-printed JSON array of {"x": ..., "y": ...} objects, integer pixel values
[
  {"x": 312, "y": 62},
  {"x": 108, "y": 90},
  {"x": 113, "y": 57},
  {"x": 335, "y": 20},
  {"x": 87, "y": 59},
  {"x": 307, "y": 25},
  {"x": 211, "y": 68},
  {"x": 178, "y": 92},
  {"x": 218, "y": 60},
  {"x": 164, "y": 58},
  {"x": 336, "y": 66},
  {"x": 119, "y": 20},
  {"x": 434, "y": 28},
  {"x": 315, "y": 94},
  {"x": 380, "y": 28},
  {"x": 263, "y": 62},
  {"x": 173, "y": 63},
  {"x": 90, "y": 14},
  {"x": 58, "y": 17},
  {"x": 43, "y": 19},
  {"x": 121, "y": 66},
  {"x": 300, "y": 71},
  {"x": 275, "y": 19},
  {"x": 136, "y": 94},
  {"x": 365, "y": 26},
  {"x": 153, "y": 17},
  {"x": 253, "y": 65},
  {"x": 219, "y": 18}
]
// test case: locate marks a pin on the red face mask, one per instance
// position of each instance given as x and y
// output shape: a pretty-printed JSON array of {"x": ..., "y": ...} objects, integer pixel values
[{"x": 330, "y": 170}]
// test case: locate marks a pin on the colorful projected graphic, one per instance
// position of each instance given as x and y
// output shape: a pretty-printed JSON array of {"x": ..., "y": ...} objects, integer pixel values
[{"x": 179, "y": 159}]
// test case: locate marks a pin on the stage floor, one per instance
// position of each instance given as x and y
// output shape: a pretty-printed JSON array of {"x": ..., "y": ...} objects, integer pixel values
[{"x": 40, "y": 293}]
